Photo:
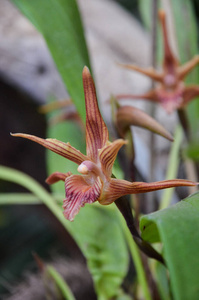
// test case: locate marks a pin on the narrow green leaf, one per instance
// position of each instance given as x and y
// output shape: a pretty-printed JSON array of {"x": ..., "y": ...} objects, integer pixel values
[
  {"x": 60, "y": 283},
  {"x": 60, "y": 24},
  {"x": 18, "y": 198},
  {"x": 24, "y": 198},
  {"x": 177, "y": 228},
  {"x": 33, "y": 186},
  {"x": 172, "y": 166}
]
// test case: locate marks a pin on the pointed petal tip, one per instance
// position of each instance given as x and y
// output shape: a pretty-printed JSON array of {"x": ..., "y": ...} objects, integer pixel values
[
  {"x": 18, "y": 134},
  {"x": 161, "y": 14},
  {"x": 86, "y": 71}
]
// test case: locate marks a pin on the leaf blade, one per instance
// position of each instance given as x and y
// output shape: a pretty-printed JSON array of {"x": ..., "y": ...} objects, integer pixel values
[
  {"x": 177, "y": 227},
  {"x": 60, "y": 24}
]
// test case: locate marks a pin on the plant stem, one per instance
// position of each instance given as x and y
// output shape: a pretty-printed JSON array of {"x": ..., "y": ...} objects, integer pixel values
[
  {"x": 125, "y": 209},
  {"x": 137, "y": 261}
]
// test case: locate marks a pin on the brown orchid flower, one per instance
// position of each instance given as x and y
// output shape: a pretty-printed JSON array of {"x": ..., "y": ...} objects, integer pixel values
[
  {"x": 171, "y": 91},
  {"x": 95, "y": 182}
]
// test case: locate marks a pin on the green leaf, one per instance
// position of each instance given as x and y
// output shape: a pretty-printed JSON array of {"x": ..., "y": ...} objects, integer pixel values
[
  {"x": 60, "y": 24},
  {"x": 18, "y": 198},
  {"x": 24, "y": 198},
  {"x": 177, "y": 228},
  {"x": 172, "y": 166},
  {"x": 33, "y": 186},
  {"x": 60, "y": 283},
  {"x": 99, "y": 236},
  {"x": 192, "y": 151}
]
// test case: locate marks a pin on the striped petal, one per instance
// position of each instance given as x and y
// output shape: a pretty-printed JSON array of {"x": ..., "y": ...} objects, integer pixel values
[
  {"x": 78, "y": 193},
  {"x": 150, "y": 72},
  {"x": 61, "y": 148},
  {"x": 96, "y": 130},
  {"x": 118, "y": 188},
  {"x": 151, "y": 95},
  {"x": 57, "y": 176},
  {"x": 108, "y": 155},
  {"x": 170, "y": 62}
]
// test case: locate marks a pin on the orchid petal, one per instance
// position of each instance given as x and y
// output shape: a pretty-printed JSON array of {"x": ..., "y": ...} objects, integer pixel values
[
  {"x": 190, "y": 93},
  {"x": 61, "y": 148},
  {"x": 150, "y": 72},
  {"x": 46, "y": 108},
  {"x": 108, "y": 155},
  {"x": 170, "y": 62},
  {"x": 78, "y": 193},
  {"x": 151, "y": 95},
  {"x": 65, "y": 116},
  {"x": 128, "y": 115},
  {"x": 118, "y": 188},
  {"x": 187, "y": 67},
  {"x": 57, "y": 176},
  {"x": 96, "y": 130}
]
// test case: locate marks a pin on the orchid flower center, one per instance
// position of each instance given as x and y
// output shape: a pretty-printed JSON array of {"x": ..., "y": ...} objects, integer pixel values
[
  {"x": 169, "y": 80},
  {"x": 88, "y": 167}
]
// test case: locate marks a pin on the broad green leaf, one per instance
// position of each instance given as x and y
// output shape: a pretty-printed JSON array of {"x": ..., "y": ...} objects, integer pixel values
[
  {"x": 192, "y": 151},
  {"x": 177, "y": 228},
  {"x": 60, "y": 24},
  {"x": 99, "y": 236}
]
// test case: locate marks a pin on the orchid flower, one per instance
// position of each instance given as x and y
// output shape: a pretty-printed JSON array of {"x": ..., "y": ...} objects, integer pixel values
[
  {"x": 171, "y": 92},
  {"x": 94, "y": 182}
]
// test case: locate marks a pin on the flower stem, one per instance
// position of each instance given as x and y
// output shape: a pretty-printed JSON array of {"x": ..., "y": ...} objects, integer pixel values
[
  {"x": 137, "y": 261},
  {"x": 125, "y": 209},
  {"x": 184, "y": 122}
]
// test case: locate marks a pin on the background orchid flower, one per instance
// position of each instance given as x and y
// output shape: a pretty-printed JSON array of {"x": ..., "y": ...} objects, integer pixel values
[
  {"x": 171, "y": 91},
  {"x": 95, "y": 182},
  {"x": 66, "y": 111}
]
